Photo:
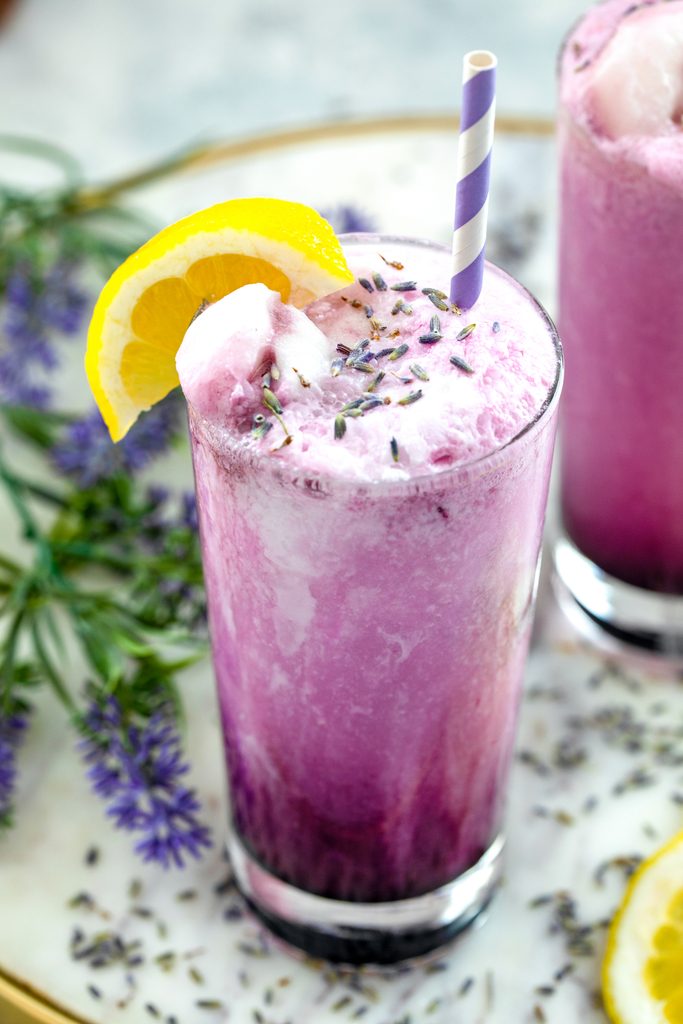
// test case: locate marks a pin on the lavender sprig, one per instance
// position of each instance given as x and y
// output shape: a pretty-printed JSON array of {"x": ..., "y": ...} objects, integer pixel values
[
  {"x": 142, "y": 541},
  {"x": 85, "y": 452},
  {"x": 38, "y": 311},
  {"x": 348, "y": 219},
  {"x": 13, "y": 727},
  {"x": 136, "y": 766}
]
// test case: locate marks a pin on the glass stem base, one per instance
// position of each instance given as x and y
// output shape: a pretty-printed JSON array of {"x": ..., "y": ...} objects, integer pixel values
[
  {"x": 366, "y": 933},
  {"x": 645, "y": 620}
]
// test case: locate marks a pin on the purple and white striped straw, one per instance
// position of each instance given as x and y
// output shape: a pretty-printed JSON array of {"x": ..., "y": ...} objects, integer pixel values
[{"x": 473, "y": 174}]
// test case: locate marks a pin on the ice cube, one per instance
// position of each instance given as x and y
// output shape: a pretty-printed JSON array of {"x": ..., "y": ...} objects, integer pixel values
[{"x": 636, "y": 83}]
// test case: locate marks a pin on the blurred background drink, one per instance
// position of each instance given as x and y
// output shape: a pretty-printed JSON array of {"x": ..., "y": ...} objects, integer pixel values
[
  {"x": 621, "y": 320},
  {"x": 371, "y": 552}
]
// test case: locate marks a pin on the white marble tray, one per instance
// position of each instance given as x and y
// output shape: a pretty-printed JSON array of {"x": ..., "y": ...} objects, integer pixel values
[{"x": 598, "y": 776}]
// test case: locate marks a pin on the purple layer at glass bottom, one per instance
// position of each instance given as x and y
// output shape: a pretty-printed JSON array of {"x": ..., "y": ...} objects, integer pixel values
[{"x": 366, "y": 933}]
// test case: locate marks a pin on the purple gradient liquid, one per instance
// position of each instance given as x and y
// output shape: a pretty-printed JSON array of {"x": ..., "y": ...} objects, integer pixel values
[
  {"x": 369, "y": 643},
  {"x": 621, "y": 321},
  {"x": 369, "y": 743}
]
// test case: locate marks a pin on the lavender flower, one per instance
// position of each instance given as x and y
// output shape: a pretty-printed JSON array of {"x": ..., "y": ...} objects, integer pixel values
[
  {"x": 173, "y": 592},
  {"x": 87, "y": 455},
  {"x": 137, "y": 766},
  {"x": 34, "y": 309},
  {"x": 188, "y": 511},
  {"x": 12, "y": 732},
  {"x": 346, "y": 218}
]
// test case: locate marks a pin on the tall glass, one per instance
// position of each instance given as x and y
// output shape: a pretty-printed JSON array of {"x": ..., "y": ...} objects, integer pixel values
[
  {"x": 621, "y": 320},
  {"x": 369, "y": 644}
]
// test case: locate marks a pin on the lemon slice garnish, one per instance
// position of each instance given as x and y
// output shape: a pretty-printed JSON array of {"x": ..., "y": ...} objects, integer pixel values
[
  {"x": 148, "y": 303},
  {"x": 642, "y": 976}
]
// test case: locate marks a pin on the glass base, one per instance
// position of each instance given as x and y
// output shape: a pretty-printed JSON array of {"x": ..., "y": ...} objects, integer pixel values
[
  {"x": 643, "y": 619},
  {"x": 366, "y": 933}
]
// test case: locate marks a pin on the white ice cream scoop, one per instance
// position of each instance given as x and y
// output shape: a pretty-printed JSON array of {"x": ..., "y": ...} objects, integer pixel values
[
  {"x": 236, "y": 339},
  {"x": 636, "y": 84}
]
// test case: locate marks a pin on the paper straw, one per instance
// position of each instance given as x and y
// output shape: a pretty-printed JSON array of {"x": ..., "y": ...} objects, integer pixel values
[{"x": 473, "y": 174}]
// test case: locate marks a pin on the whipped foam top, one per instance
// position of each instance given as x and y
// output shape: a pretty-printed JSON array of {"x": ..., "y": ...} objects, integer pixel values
[
  {"x": 424, "y": 388},
  {"x": 622, "y": 80}
]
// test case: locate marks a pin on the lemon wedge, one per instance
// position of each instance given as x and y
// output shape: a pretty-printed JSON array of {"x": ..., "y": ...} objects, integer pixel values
[
  {"x": 642, "y": 977},
  {"x": 148, "y": 303}
]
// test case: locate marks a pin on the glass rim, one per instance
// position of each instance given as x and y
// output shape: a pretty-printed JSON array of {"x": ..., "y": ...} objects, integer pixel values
[{"x": 328, "y": 483}]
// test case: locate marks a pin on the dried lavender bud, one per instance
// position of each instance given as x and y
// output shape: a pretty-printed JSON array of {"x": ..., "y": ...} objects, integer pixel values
[
  {"x": 351, "y": 405},
  {"x": 371, "y": 403},
  {"x": 258, "y": 432},
  {"x": 465, "y": 332},
  {"x": 398, "y": 352},
  {"x": 461, "y": 363},
  {"x": 270, "y": 400},
  {"x": 436, "y": 301},
  {"x": 393, "y": 444},
  {"x": 404, "y": 286},
  {"x": 414, "y": 396}
]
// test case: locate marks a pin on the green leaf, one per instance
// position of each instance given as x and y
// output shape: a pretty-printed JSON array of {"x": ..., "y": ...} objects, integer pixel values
[
  {"x": 46, "y": 663},
  {"x": 40, "y": 427},
  {"x": 107, "y": 661},
  {"x": 38, "y": 149}
]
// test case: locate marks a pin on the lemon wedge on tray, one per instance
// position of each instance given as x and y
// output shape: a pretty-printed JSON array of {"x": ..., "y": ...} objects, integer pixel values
[
  {"x": 147, "y": 305},
  {"x": 642, "y": 976}
]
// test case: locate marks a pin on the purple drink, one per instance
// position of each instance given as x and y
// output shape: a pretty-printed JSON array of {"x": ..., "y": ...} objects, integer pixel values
[
  {"x": 371, "y": 584},
  {"x": 621, "y": 305}
]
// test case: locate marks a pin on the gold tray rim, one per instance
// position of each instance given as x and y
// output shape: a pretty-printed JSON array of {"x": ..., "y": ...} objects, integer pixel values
[
  {"x": 35, "y": 1005},
  {"x": 15, "y": 993},
  {"x": 231, "y": 149}
]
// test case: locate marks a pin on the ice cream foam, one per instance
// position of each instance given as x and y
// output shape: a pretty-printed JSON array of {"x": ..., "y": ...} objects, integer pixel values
[
  {"x": 623, "y": 81},
  {"x": 382, "y": 380}
]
